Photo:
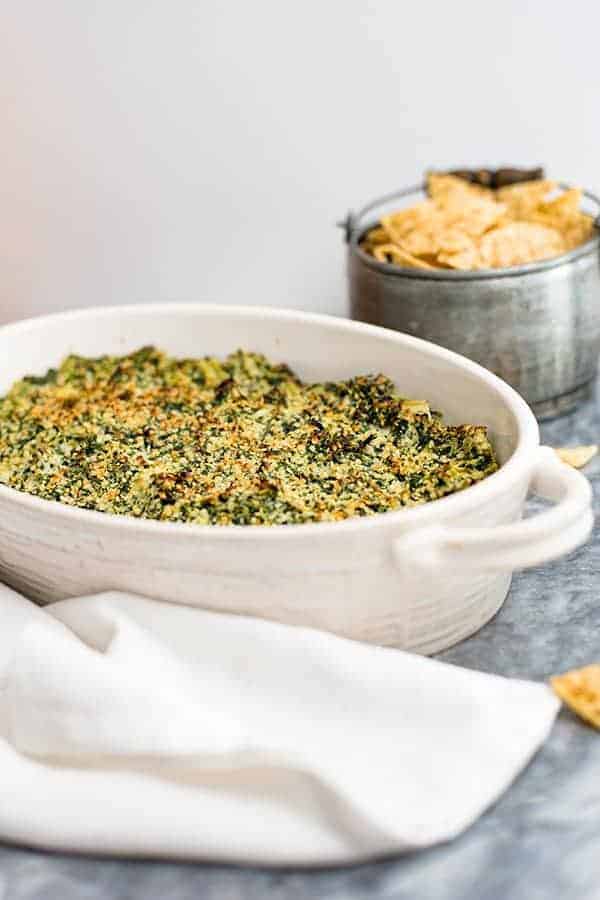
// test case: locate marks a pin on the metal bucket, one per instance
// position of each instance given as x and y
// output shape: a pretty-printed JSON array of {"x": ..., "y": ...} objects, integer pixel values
[{"x": 537, "y": 326}]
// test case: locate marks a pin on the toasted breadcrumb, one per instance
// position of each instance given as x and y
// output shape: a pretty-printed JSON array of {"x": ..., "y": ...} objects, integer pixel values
[{"x": 237, "y": 441}]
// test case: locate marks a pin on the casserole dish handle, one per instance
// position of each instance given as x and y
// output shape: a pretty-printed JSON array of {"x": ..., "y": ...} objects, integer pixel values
[{"x": 518, "y": 545}]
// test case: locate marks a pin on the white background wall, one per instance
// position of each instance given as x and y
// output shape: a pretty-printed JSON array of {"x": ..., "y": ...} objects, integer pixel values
[{"x": 179, "y": 150}]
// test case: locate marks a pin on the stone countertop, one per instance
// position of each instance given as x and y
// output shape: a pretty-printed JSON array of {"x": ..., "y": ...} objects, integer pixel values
[{"x": 540, "y": 841}]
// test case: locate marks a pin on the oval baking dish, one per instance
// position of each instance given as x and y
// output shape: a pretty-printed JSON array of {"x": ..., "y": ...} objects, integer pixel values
[{"x": 419, "y": 578}]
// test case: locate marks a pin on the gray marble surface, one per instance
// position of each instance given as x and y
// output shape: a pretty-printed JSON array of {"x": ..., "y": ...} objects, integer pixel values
[{"x": 540, "y": 841}]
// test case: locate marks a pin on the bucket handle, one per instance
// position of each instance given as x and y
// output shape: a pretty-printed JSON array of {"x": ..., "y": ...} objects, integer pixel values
[{"x": 350, "y": 223}]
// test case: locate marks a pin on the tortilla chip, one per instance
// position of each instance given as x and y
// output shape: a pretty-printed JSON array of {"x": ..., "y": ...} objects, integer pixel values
[
  {"x": 519, "y": 243},
  {"x": 377, "y": 236},
  {"x": 452, "y": 239},
  {"x": 467, "y": 259},
  {"x": 579, "y": 231},
  {"x": 578, "y": 457},
  {"x": 445, "y": 229},
  {"x": 398, "y": 256},
  {"x": 417, "y": 234},
  {"x": 477, "y": 216},
  {"x": 580, "y": 690},
  {"x": 575, "y": 227},
  {"x": 470, "y": 207},
  {"x": 415, "y": 223},
  {"x": 565, "y": 206},
  {"x": 421, "y": 242},
  {"x": 440, "y": 186},
  {"x": 404, "y": 220},
  {"x": 524, "y": 198}
]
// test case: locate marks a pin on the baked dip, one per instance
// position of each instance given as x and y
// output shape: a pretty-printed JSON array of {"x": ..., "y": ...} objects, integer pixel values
[{"x": 239, "y": 441}]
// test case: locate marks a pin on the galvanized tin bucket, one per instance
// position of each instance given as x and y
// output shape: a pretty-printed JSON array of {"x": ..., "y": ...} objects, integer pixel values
[{"x": 537, "y": 326}]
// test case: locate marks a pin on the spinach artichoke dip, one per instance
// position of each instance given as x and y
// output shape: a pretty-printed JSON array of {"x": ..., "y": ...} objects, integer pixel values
[{"x": 240, "y": 441}]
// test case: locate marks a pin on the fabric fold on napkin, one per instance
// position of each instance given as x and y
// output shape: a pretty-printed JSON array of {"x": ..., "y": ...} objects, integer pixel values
[{"x": 130, "y": 726}]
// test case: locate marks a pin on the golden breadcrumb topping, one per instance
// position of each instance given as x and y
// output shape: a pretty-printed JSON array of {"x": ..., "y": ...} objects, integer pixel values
[{"x": 239, "y": 441}]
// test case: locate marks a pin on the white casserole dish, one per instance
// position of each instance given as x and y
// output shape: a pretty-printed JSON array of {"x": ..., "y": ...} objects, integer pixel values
[{"x": 420, "y": 578}]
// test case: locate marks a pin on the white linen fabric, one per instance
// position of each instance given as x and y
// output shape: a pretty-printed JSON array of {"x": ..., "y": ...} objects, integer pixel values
[{"x": 129, "y": 726}]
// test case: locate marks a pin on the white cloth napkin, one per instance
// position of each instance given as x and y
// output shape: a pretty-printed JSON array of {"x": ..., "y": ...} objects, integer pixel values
[{"x": 130, "y": 726}]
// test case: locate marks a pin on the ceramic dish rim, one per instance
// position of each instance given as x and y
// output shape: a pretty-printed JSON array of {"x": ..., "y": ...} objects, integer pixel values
[{"x": 516, "y": 466}]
